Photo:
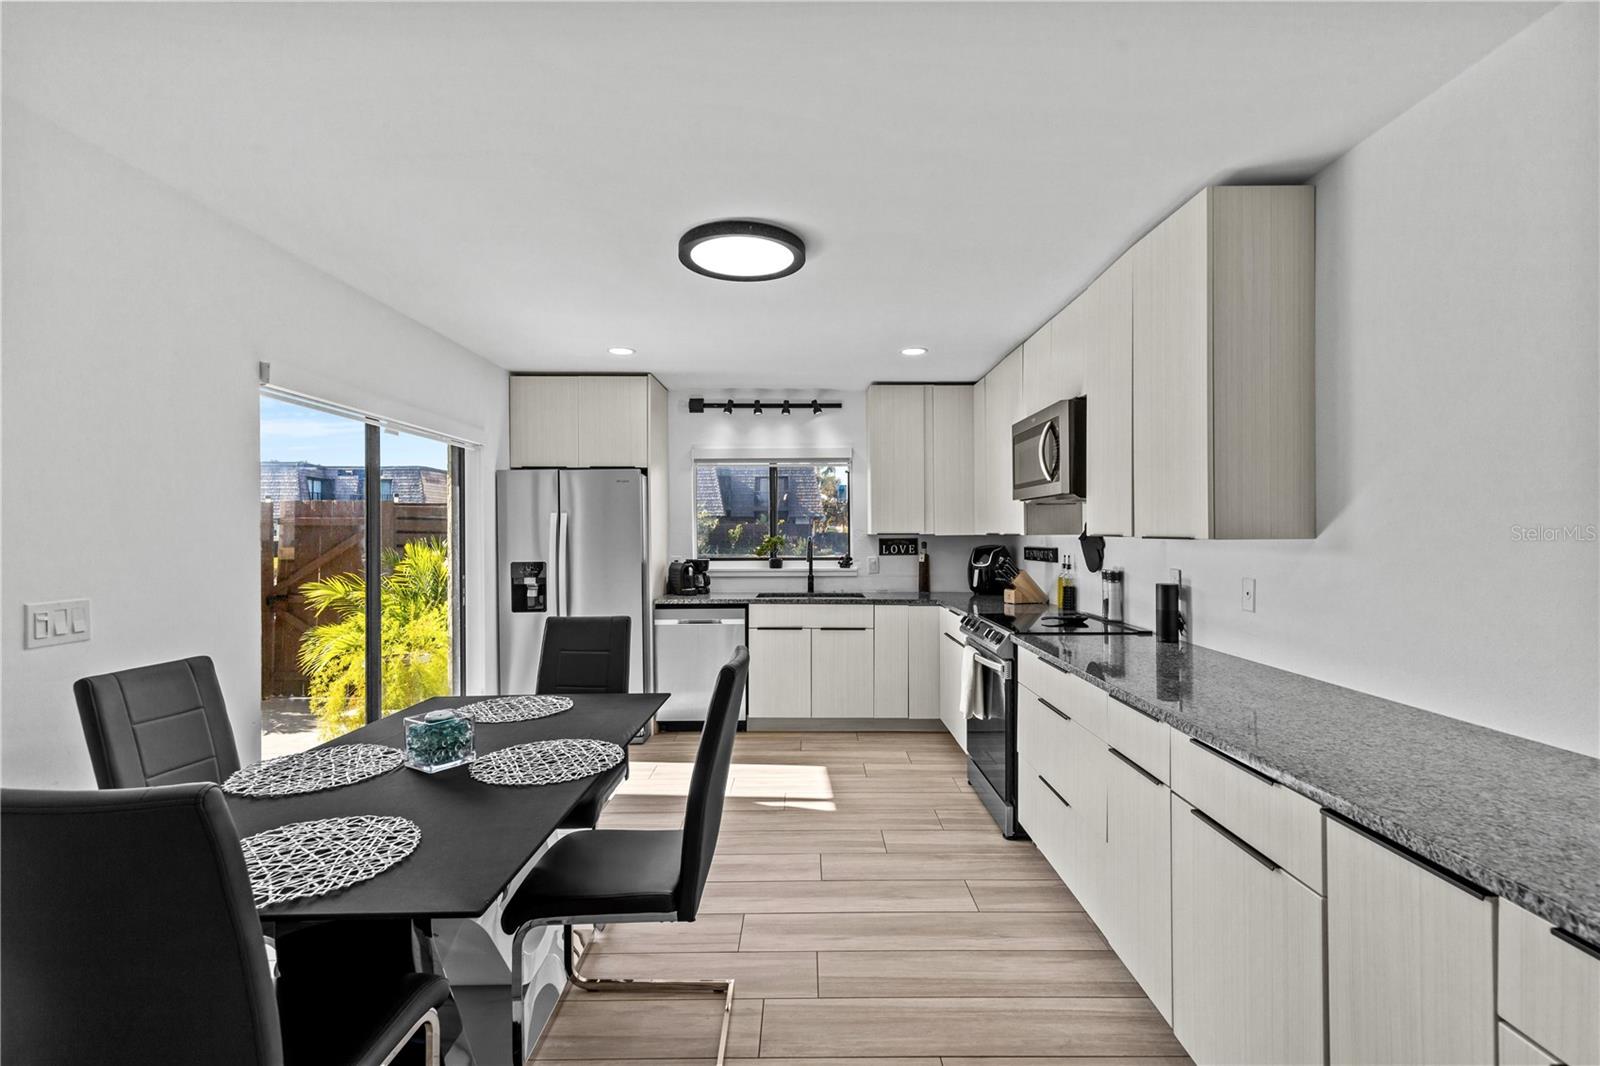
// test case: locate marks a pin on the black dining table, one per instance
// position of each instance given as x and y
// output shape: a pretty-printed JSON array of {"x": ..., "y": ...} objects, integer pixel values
[{"x": 475, "y": 837}]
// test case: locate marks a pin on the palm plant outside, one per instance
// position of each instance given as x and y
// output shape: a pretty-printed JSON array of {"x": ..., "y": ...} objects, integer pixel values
[{"x": 415, "y": 637}]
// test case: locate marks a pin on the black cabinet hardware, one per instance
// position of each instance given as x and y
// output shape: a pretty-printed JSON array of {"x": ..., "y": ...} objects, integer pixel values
[
  {"x": 1560, "y": 934},
  {"x": 1234, "y": 840},
  {"x": 1476, "y": 891},
  {"x": 953, "y": 640},
  {"x": 1148, "y": 776},
  {"x": 778, "y": 629},
  {"x": 1225, "y": 757},
  {"x": 1052, "y": 707},
  {"x": 844, "y": 629},
  {"x": 1053, "y": 791}
]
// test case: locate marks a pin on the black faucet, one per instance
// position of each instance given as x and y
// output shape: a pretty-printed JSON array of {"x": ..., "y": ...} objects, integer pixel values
[{"x": 811, "y": 574}]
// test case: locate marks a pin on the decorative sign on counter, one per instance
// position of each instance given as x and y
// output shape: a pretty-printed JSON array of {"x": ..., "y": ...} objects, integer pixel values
[
  {"x": 897, "y": 546},
  {"x": 438, "y": 740}
]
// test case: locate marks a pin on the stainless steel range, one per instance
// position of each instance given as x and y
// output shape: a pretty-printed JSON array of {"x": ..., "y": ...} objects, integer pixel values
[{"x": 989, "y": 703}]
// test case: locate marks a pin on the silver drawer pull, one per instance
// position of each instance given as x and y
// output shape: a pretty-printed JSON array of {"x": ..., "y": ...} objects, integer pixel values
[
  {"x": 1235, "y": 841},
  {"x": 1148, "y": 776},
  {"x": 1053, "y": 791},
  {"x": 1052, "y": 707}
]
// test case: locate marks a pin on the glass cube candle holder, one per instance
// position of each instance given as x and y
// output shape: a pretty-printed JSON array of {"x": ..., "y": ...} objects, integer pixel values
[{"x": 438, "y": 740}]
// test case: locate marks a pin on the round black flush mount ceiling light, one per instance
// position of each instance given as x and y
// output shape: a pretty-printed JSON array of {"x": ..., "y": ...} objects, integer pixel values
[{"x": 741, "y": 250}]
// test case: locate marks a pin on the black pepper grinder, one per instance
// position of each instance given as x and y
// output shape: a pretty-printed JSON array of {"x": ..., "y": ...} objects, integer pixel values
[{"x": 1169, "y": 613}]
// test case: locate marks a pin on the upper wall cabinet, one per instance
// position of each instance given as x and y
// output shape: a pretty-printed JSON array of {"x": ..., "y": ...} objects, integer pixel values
[
  {"x": 1004, "y": 403},
  {"x": 919, "y": 442},
  {"x": 594, "y": 420},
  {"x": 1223, "y": 441},
  {"x": 896, "y": 430},
  {"x": 1100, "y": 336}
]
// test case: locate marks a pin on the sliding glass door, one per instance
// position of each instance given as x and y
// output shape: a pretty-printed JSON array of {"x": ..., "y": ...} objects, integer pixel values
[{"x": 360, "y": 535}]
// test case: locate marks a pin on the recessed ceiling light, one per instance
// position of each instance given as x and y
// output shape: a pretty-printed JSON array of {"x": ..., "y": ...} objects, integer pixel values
[
  {"x": 913, "y": 351},
  {"x": 741, "y": 250},
  {"x": 619, "y": 351}
]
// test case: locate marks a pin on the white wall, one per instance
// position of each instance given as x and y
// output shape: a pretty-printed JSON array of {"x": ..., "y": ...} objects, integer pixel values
[
  {"x": 134, "y": 320},
  {"x": 833, "y": 432},
  {"x": 1456, "y": 401}
]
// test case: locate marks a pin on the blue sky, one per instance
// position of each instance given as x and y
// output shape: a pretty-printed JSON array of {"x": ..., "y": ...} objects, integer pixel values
[{"x": 289, "y": 431}]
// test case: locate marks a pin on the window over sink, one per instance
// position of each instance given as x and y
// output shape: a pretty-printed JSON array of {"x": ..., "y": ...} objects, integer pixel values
[{"x": 740, "y": 503}]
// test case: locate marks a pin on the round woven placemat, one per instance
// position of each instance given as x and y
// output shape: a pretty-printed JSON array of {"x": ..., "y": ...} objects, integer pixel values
[
  {"x": 333, "y": 766},
  {"x": 546, "y": 762},
  {"x": 314, "y": 858},
  {"x": 514, "y": 708}
]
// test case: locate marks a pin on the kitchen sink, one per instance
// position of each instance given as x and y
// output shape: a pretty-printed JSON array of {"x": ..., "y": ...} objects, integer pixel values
[{"x": 811, "y": 595}]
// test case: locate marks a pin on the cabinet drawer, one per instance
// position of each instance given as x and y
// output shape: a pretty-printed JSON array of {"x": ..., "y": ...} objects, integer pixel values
[
  {"x": 1279, "y": 823},
  {"x": 1045, "y": 813},
  {"x": 1083, "y": 702},
  {"x": 1549, "y": 987},
  {"x": 1043, "y": 736},
  {"x": 1144, "y": 740},
  {"x": 1515, "y": 1050},
  {"x": 1247, "y": 952},
  {"x": 1411, "y": 972},
  {"x": 810, "y": 616}
]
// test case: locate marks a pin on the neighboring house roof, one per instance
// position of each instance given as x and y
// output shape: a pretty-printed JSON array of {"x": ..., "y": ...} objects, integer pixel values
[
  {"x": 736, "y": 491},
  {"x": 288, "y": 480}
]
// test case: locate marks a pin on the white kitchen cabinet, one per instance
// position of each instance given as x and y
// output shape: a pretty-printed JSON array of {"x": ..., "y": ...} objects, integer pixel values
[
  {"x": 952, "y": 649},
  {"x": 1103, "y": 326},
  {"x": 1136, "y": 903},
  {"x": 1411, "y": 972},
  {"x": 922, "y": 635},
  {"x": 891, "y": 661},
  {"x": 841, "y": 673},
  {"x": 587, "y": 420},
  {"x": 1246, "y": 951},
  {"x": 896, "y": 444},
  {"x": 1223, "y": 325},
  {"x": 949, "y": 448},
  {"x": 1518, "y": 1050},
  {"x": 1003, "y": 403},
  {"x": 780, "y": 673},
  {"x": 544, "y": 420},
  {"x": 1044, "y": 376},
  {"x": 1549, "y": 987}
]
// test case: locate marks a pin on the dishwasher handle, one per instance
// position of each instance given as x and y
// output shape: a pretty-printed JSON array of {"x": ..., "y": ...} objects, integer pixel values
[{"x": 699, "y": 621}]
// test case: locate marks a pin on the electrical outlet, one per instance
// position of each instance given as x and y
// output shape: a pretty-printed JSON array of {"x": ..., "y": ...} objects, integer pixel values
[
  {"x": 1247, "y": 597},
  {"x": 872, "y": 564}
]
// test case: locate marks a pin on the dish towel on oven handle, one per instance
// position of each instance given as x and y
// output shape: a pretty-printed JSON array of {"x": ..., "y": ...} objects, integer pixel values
[{"x": 972, "y": 705}]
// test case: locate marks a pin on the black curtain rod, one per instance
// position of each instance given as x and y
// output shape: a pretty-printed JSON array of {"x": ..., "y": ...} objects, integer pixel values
[{"x": 700, "y": 405}]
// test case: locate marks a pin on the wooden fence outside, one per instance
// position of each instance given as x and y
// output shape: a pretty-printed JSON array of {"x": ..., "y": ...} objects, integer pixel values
[{"x": 317, "y": 539}]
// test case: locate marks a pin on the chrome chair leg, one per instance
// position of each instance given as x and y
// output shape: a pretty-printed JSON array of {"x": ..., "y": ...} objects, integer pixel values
[
  {"x": 429, "y": 1024},
  {"x": 645, "y": 984}
]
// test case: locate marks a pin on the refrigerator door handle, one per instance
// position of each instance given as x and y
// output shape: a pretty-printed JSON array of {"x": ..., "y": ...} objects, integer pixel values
[
  {"x": 561, "y": 563},
  {"x": 557, "y": 578}
]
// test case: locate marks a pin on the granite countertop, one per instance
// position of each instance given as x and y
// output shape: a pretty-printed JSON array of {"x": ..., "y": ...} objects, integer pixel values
[
  {"x": 956, "y": 601},
  {"x": 1517, "y": 817}
]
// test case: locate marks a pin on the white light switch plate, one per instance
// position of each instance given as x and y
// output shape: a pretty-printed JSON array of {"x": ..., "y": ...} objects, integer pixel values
[{"x": 54, "y": 622}]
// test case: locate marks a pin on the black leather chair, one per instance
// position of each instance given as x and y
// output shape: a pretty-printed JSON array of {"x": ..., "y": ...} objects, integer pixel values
[
  {"x": 130, "y": 937},
  {"x": 157, "y": 725},
  {"x": 599, "y": 876},
  {"x": 586, "y": 655}
]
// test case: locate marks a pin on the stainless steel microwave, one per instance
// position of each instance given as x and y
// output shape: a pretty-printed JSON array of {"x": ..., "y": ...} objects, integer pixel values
[{"x": 1047, "y": 454}]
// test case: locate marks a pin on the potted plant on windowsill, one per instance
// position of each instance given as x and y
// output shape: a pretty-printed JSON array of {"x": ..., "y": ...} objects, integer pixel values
[{"x": 772, "y": 547}]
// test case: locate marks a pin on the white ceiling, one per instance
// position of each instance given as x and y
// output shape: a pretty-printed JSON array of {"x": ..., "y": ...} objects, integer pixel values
[{"x": 516, "y": 175}]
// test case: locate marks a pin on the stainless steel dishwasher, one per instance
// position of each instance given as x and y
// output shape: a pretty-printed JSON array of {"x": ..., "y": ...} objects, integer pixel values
[{"x": 691, "y": 645}]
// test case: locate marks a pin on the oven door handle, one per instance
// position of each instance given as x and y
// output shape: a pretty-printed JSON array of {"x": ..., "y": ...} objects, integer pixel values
[{"x": 999, "y": 667}]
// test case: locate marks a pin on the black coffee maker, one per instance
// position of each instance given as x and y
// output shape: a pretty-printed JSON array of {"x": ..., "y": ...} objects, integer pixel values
[
  {"x": 990, "y": 570},
  {"x": 689, "y": 577}
]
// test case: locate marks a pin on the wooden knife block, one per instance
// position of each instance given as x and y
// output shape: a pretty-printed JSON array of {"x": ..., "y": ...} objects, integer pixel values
[{"x": 1025, "y": 589}]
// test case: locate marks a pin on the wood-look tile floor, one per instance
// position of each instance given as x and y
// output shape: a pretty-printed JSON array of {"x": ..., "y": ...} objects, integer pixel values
[{"x": 869, "y": 912}]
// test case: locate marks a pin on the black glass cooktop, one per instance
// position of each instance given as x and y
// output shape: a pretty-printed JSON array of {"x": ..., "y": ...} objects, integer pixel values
[{"x": 1048, "y": 621}]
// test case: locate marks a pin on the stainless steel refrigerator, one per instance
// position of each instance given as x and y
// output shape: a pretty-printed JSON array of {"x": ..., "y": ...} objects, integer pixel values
[{"x": 571, "y": 542}]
